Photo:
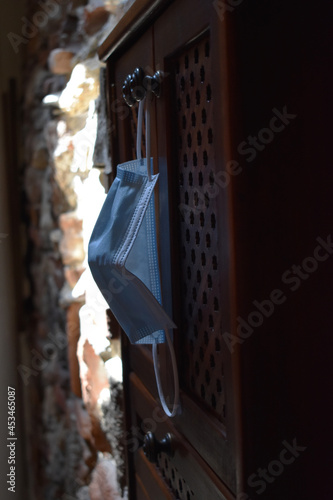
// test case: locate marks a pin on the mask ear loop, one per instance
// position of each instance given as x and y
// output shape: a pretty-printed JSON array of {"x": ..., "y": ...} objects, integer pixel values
[
  {"x": 139, "y": 132},
  {"x": 147, "y": 99},
  {"x": 139, "y": 129},
  {"x": 176, "y": 404}
]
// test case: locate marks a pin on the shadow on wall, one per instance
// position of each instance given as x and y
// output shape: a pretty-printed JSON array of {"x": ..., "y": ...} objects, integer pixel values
[{"x": 13, "y": 477}]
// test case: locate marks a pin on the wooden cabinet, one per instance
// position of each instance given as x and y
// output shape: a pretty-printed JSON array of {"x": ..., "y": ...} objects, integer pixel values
[{"x": 227, "y": 139}]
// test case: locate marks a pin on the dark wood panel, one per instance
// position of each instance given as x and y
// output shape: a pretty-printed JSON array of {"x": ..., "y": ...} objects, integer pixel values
[
  {"x": 151, "y": 479},
  {"x": 139, "y": 55},
  {"x": 141, "y": 492},
  {"x": 265, "y": 57},
  {"x": 282, "y": 202},
  {"x": 138, "y": 17},
  {"x": 208, "y": 439},
  {"x": 177, "y": 43},
  {"x": 123, "y": 126},
  {"x": 193, "y": 470},
  {"x": 220, "y": 452}
]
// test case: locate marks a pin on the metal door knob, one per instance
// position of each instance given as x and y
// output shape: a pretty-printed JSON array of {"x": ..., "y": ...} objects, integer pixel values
[
  {"x": 153, "y": 83},
  {"x": 127, "y": 94},
  {"x": 137, "y": 84},
  {"x": 152, "y": 447},
  {"x": 138, "y": 90}
]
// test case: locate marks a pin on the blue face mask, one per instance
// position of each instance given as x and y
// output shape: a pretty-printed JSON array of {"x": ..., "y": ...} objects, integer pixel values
[{"x": 122, "y": 256}]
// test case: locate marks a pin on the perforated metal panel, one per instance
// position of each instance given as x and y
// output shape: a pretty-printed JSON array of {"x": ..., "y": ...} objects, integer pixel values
[
  {"x": 173, "y": 478},
  {"x": 200, "y": 268}
]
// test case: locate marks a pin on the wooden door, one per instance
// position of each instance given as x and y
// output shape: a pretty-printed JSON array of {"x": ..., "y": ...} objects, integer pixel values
[
  {"x": 192, "y": 118},
  {"x": 230, "y": 227},
  {"x": 189, "y": 143}
]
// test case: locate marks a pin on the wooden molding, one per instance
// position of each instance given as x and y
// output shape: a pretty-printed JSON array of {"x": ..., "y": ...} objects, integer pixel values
[{"x": 138, "y": 17}]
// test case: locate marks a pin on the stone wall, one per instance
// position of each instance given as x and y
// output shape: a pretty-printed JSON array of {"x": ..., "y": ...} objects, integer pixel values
[{"x": 70, "y": 373}]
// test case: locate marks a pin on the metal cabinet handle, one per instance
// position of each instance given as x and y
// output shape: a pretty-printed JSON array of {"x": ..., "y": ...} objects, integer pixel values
[
  {"x": 152, "y": 447},
  {"x": 138, "y": 84}
]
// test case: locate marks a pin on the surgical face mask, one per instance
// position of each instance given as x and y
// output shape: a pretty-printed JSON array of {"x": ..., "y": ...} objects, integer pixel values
[{"x": 123, "y": 259}]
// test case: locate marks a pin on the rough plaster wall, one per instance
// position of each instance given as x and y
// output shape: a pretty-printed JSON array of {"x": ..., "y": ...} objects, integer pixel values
[
  {"x": 67, "y": 334},
  {"x": 60, "y": 445}
]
